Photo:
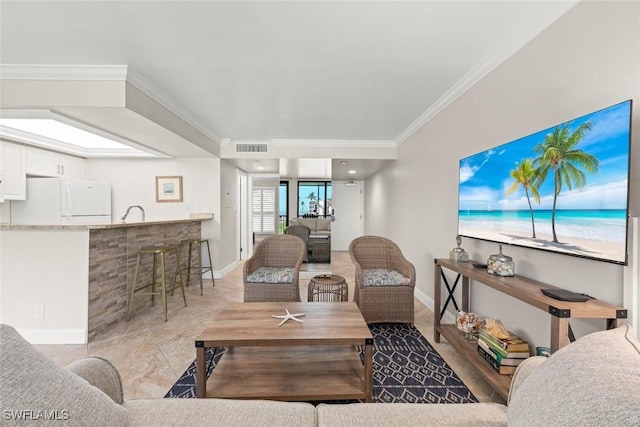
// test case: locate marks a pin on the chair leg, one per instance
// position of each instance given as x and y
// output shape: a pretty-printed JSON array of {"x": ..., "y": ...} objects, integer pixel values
[
  {"x": 199, "y": 263},
  {"x": 189, "y": 255},
  {"x": 153, "y": 279},
  {"x": 133, "y": 287},
  {"x": 164, "y": 286},
  {"x": 210, "y": 268},
  {"x": 179, "y": 276}
]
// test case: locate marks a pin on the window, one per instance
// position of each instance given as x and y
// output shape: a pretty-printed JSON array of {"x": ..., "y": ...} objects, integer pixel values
[
  {"x": 264, "y": 210},
  {"x": 314, "y": 198},
  {"x": 283, "y": 210}
]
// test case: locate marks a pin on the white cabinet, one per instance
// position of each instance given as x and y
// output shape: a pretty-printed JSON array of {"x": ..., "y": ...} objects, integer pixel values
[
  {"x": 13, "y": 176},
  {"x": 72, "y": 166},
  {"x": 48, "y": 163}
]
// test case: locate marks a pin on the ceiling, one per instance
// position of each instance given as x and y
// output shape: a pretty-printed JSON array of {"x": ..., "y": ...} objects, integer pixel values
[{"x": 303, "y": 71}]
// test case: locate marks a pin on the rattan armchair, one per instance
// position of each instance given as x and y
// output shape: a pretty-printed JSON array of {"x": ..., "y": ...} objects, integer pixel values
[
  {"x": 303, "y": 232},
  {"x": 382, "y": 303},
  {"x": 278, "y": 252}
]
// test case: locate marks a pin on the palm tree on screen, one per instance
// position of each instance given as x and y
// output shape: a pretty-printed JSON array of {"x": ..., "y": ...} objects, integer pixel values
[
  {"x": 559, "y": 156},
  {"x": 525, "y": 175}
]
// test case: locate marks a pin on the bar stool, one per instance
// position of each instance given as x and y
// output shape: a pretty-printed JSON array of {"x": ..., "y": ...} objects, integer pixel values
[
  {"x": 200, "y": 269},
  {"x": 158, "y": 252}
]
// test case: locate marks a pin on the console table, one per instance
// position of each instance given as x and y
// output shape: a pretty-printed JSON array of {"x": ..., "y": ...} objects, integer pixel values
[{"x": 521, "y": 288}]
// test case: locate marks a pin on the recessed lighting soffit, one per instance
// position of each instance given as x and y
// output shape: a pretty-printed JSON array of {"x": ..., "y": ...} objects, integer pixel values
[{"x": 47, "y": 129}]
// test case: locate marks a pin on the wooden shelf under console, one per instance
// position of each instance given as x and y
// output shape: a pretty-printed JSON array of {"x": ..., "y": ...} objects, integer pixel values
[{"x": 523, "y": 289}]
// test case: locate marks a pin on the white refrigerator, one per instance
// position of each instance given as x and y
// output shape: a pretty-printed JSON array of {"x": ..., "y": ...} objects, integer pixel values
[{"x": 61, "y": 201}]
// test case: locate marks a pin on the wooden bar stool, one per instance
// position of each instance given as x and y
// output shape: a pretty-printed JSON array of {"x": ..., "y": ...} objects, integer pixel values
[
  {"x": 200, "y": 269},
  {"x": 159, "y": 254}
]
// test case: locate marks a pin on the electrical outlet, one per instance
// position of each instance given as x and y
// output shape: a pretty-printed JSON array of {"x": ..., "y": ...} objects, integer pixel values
[{"x": 39, "y": 311}]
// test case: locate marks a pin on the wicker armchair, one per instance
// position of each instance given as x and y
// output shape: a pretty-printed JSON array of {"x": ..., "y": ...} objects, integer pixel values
[
  {"x": 380, "y": 302},
  {"x": 303, "y": 232},
  {"x": 283, "y": 253}
]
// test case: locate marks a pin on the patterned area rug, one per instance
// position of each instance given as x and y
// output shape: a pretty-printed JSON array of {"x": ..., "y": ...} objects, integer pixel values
[{"x": 406, "y": 369}]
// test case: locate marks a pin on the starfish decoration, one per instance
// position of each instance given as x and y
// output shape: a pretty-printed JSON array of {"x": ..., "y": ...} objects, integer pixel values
[{"x": 288, "y": 316}]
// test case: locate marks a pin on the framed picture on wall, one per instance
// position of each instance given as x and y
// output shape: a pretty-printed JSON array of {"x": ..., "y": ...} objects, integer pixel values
[{"x": 168, "y": 189}]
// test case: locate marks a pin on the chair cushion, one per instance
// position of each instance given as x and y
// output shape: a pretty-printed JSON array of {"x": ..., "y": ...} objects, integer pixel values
[
  {"x": 384, "y": 277},
  {"x": 42, "y": 390},
  {"x": 272, "y": 275}
]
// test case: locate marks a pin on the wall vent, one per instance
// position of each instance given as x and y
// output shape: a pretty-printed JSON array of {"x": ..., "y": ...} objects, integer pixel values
[{"x": 251, "y": 148}]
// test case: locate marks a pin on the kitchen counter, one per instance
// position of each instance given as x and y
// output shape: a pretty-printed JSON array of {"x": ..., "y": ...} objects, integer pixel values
[
  {"x": 79, "y": 276},
  {"x": 199, "y": 217}
]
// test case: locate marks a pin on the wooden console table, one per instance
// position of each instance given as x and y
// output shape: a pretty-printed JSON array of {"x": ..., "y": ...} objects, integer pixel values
[{"x": 523, "y": 289}]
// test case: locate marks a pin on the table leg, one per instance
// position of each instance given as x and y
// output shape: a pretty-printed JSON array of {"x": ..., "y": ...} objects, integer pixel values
[
  {"x": 559, "y": 332},
  {"x": 615, "y": 323},
  {"x": 436, "y": 301},
  {"x": 465, "y": 294},
  {"x": 368, "y": 371},
  {"x": 201, "y": 372}
]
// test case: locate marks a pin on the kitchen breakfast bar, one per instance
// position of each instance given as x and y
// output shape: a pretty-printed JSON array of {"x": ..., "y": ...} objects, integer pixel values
[{"x": 70, "y": 283}]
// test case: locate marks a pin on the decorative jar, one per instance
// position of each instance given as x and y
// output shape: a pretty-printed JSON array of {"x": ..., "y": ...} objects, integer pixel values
[
  {"x": 500, "y": 265},
  {"x": 458, "y": 254},
  {"x": 469, "y": 324}
]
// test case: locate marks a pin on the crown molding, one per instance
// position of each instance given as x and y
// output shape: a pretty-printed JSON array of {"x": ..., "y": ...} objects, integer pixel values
[
  {"x": 152, "y": 91},
  {"x": 104, "y": 73},
  {"x": 62, "y": 72},
  {"x": 512, "y": 43}
]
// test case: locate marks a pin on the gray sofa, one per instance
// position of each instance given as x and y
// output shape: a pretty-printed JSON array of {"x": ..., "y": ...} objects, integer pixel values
[
  {"x": 592, "y": 382},
  {"x": 317, "y": 225}
]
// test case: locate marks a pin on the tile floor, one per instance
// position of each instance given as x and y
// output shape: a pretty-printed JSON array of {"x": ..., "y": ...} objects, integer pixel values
[{"x": 151, "y": 353}]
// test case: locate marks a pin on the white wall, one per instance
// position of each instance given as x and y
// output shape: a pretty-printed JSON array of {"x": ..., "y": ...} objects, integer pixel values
[
  {"x": 133, "y": 183},
  {"x": 228, "y": 216},
  {"x": 58, "y": 277},
  {"x": 587, "y": 60}
]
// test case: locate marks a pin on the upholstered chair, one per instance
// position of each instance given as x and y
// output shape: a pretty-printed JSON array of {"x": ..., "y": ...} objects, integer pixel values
[
  {"x": 303, "y": 232},
  {"x": 273, "y": 271},
  {"x": 384, "y": 280}
]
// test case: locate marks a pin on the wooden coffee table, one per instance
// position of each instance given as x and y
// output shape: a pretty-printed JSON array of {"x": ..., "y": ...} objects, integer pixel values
[{"x": 314, "y": 360}]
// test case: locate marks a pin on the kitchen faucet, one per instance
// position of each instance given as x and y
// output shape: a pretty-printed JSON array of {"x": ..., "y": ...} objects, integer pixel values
[{"x": 129, "y": 208}]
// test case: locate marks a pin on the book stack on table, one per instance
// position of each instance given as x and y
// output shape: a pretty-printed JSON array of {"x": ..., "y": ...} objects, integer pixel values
[{"x": 503, "y": 354}]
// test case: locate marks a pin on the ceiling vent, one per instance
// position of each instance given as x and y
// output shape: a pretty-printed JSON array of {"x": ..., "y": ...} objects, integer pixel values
[{"x": 251, "y": 148}]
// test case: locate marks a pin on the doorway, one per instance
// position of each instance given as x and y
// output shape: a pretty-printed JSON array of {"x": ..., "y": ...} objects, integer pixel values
[{"x": 348, "y": 213}]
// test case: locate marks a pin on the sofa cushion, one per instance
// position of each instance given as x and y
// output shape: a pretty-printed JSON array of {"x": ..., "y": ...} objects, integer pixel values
[
  {"x": 593, "y": 381},
  {"x": 412, "y": 414},
  {"x": 220, "y": 412},
  {"x": 323, "y": 224},
  {"x": 36, "y": 388},
  {"x": 384, "y": 277},
  {"x": 272, "y": 275},
  {"x": 309, "y": 222}
]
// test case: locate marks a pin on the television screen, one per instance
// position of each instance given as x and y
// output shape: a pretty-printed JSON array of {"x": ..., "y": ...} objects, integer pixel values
[{"x": 563, "y": 189}]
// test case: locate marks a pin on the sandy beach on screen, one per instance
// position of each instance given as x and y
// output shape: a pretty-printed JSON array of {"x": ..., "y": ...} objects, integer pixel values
[{"x": 573, "y": 245}]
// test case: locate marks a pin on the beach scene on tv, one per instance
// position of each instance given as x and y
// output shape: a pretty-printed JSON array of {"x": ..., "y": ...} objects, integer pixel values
[{"x": 563, "y": 189}]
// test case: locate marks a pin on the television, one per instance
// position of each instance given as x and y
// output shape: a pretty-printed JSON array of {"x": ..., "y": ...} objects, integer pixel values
[{"x": 564, "y": 189}]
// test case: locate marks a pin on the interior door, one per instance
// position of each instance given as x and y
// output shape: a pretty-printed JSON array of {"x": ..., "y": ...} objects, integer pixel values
[{"x": 347, "y": 202}]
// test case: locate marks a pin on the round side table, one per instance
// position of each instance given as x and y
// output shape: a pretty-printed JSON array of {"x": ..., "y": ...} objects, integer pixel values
[{"x": 328, "y": 288}]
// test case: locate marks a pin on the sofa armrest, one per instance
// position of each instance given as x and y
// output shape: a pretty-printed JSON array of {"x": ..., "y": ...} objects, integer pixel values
[
  {"x": 101, "y": 374},
  {"x": 523, "y": 371}
]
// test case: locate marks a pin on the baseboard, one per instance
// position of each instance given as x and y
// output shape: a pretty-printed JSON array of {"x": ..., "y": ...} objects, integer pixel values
[
  {"x": 219, "y": 274},
  {"x": 54, "y": 336}
]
